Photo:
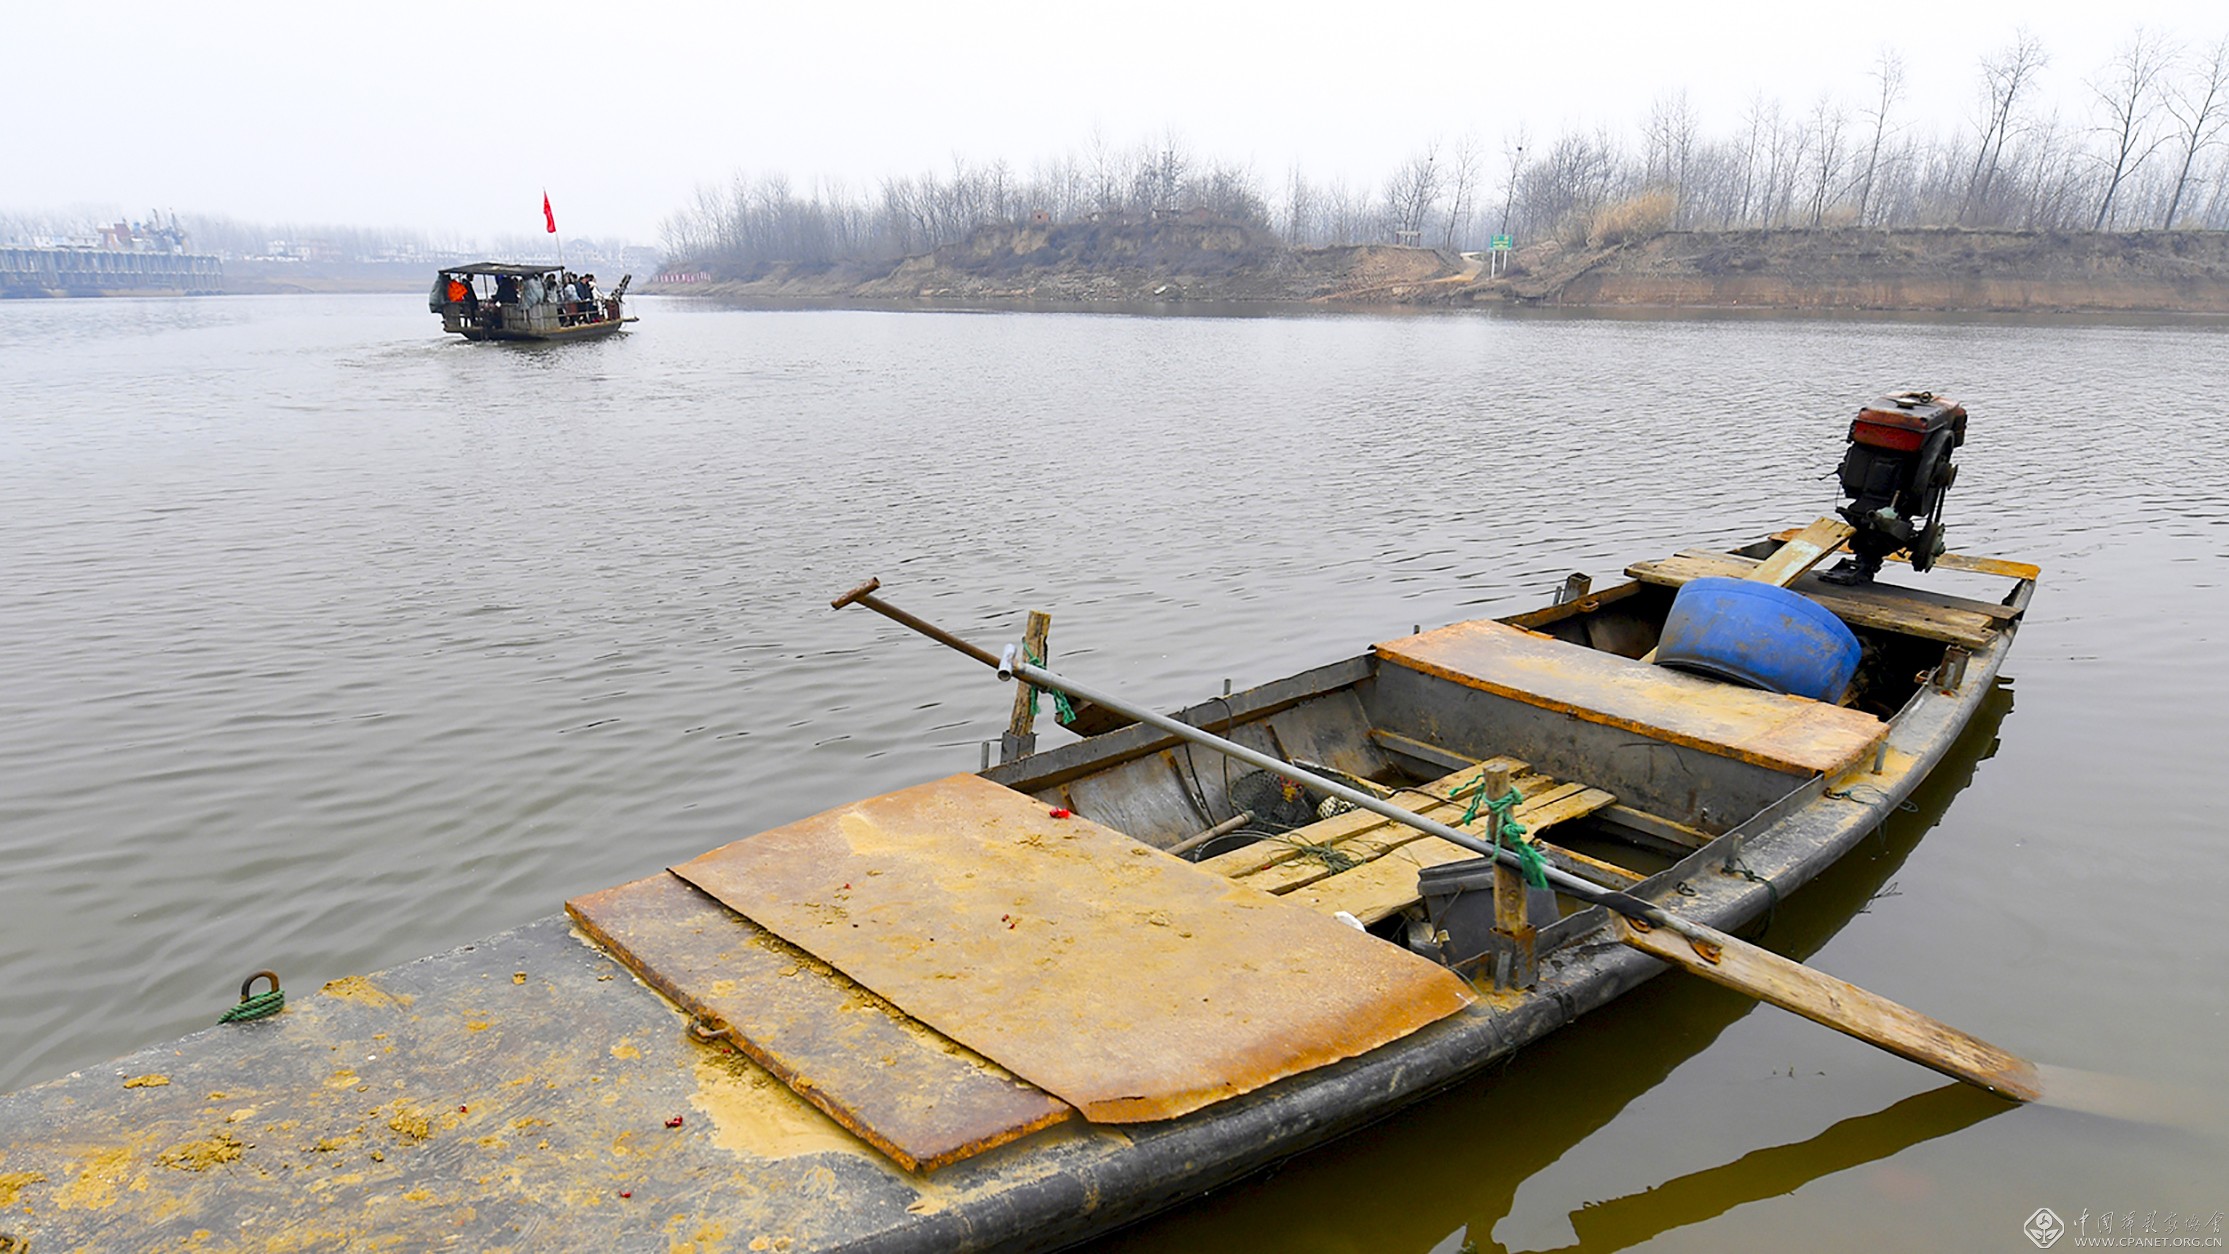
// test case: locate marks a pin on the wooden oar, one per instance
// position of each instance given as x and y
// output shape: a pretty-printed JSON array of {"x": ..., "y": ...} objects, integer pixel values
[
  {"x": 1683, "y": 943},
  {"x": 1089, "y": 721}
]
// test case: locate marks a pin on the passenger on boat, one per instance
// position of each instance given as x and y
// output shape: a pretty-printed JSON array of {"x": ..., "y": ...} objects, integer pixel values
[
  {"x": 506, "y": 290},
  {"x": 531, "y": 290}
]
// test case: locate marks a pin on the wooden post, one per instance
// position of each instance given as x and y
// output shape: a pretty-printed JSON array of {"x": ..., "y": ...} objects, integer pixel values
[
  {"x": 1514, "y": 967},
  {"x": 1021, "y": 732}
]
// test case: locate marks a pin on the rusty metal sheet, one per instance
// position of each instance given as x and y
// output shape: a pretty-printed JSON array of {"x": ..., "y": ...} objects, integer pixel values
[
  {"x": 900, "y": 1087},
  {"x": 1765, "y": 728},
  {"x": 1133, "y": 985}
]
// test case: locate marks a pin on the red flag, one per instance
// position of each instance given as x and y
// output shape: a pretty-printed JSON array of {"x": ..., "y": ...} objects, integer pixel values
[{"x": 547, "y": 216}]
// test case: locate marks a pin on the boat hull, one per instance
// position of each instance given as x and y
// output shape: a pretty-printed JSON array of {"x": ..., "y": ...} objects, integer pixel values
[
  {"x": 585, "y": 331},
  {"x": 527, "y": 1084}
]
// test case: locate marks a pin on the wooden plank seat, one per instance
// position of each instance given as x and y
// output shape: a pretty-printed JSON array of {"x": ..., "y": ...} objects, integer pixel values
[
  {"x": 1251, "y": 860},
  {"x": 1778, "y": 732},
  {"x": 1957, "y": 561},
  {"x": 1882, "y": 607},
  {"x": 1386, "y": 885},
  {"x": 1366, "y": 864}
]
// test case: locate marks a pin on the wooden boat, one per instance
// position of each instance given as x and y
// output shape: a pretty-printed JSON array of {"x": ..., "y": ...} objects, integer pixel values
[
  {"x": 990, "y": 1011},
  {"x": 497, "y": 300}
]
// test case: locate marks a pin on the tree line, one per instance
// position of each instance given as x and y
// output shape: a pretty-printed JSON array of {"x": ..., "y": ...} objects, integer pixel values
[
  {"x": 236, "y": 239},
  {"x": 2147, "y": 147}
]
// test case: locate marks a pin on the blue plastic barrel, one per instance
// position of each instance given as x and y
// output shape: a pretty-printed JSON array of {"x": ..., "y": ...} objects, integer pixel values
[{"x": 1760, "y": 635}]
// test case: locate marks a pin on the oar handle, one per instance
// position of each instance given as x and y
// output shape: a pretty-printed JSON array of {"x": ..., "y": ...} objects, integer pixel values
[{"x": 864, "y": 594}]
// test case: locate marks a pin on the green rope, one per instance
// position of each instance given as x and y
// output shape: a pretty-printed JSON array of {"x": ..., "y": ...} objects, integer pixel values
[
  {"x": 1477, "y": 790},
  {"x": 260, "y": 1006},
  {"x": 1063, "y": 711},
  {"x": 1504, "y": 809},
  {"x": 1530, "y": 864}
]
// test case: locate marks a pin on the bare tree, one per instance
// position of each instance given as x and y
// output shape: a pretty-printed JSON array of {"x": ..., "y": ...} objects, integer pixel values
[
  {"x": 2053, "y": 184},
  {"x": 1301, "y": 209},
  {"x": 2200, "y": 109},
  {"x": 1463, "y": 173},
  {"x": 1758, "y": 120},
  {"x": 1412, "y": 193},
  {"x": 1670, "y": 133},
  {"x": 1106, "y": 173},
  {"x": 1828, "y": 155},
  {"x": 1785, "y": 144},
  {"x": 1888, "y": 76},
  {"x": 2129, "y": 89},
  {"x": 1349, "y": 211},
  {"x": 2005, "y": 78},
  {"x": 1513, "y": 151}
]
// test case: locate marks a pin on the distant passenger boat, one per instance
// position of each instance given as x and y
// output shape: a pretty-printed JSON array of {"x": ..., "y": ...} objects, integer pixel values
[{"x": 495, "y": 300}]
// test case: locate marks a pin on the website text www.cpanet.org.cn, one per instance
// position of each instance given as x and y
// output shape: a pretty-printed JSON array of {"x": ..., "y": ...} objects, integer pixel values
[{"x": 2127, "y": 1229}]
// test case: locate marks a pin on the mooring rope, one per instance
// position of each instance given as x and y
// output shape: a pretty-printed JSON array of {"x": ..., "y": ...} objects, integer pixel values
[
  {"x": 1062, "y": 711},
  {"x": 259, "y": 1005}
]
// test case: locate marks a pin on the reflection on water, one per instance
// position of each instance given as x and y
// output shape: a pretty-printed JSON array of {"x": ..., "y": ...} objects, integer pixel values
[
  {"x": 327, "y": 642},
  {"x": 1624, "y": 1222}
]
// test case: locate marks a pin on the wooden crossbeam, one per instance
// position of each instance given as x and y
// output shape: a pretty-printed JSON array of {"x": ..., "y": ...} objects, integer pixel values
[
  {"x": 1959, "y": 561},
  {"x": 1385, "y": 836},
  {"x": 1386, "y": 885},
  {"x": 1904, "y": 611},
  {"x": 1260, "y": 856}
]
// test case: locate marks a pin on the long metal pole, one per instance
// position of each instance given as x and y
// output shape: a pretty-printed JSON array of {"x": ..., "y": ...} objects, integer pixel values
[{"x": 1010, "y": 665}]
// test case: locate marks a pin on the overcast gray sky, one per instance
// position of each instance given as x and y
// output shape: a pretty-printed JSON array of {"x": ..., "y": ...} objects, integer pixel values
[{"x": 451, "y": 118}]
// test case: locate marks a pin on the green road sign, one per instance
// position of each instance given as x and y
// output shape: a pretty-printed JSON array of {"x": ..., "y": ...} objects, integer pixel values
[{"x": 1504, "y": 243}]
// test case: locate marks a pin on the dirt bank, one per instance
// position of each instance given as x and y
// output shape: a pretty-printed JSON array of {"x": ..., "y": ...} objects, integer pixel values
[
  {"x": 1115, "y": 259},
  {"x": 1848, "y": 268},
  {"x": 1194, "y": 258}
]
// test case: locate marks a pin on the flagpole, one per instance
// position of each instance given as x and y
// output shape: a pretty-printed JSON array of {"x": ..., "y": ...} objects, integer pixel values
[{"x": 549, "y": 219}]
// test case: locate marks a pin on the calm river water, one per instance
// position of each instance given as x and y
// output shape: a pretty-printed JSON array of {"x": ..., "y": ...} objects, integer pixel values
[{"x": 326, "y": 643}]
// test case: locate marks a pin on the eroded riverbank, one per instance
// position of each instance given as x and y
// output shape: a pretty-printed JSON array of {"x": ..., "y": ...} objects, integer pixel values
[{"x": 1201, "y": 260}]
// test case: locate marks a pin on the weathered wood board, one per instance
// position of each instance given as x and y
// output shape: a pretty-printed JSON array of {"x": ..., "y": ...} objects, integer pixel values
[
  {"x": 1910, "y": 611},
  {"x": 910, "y": 1093},
  {"x": 1378, "y": 839},
  {"x": 1251, "y": 859},
  {"x": 1126, "y": 982},
  {"x": 1960, "y": 561},
  {"x": 1802, "y": 551},
  {"x": 1383, "y": 886},
  {"x": 1768, "y": 729}
]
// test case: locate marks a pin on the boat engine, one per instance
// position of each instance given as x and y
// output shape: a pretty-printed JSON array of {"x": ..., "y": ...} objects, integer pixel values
[{"x": 1895, "y": 473}]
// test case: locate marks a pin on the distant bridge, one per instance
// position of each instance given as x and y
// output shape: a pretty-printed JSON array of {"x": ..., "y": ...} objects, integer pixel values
[{"x": 105, "y": 271}]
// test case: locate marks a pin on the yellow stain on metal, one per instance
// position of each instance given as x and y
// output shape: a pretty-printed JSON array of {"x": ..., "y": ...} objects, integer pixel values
[
  {"x": 909, "y": 1092},
  {"x": 1128, "y": 983},
  {"x": 1767, "y": 729}
]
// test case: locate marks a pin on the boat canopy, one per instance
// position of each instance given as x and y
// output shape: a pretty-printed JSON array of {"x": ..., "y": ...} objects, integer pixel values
[{"x": 513, "y": 269}]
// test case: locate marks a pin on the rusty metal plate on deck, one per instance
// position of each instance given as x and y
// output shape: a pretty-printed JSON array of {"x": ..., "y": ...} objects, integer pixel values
[
  {"x": 1131, "y": 984},
  {"x": 902, "y": 1088}
]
